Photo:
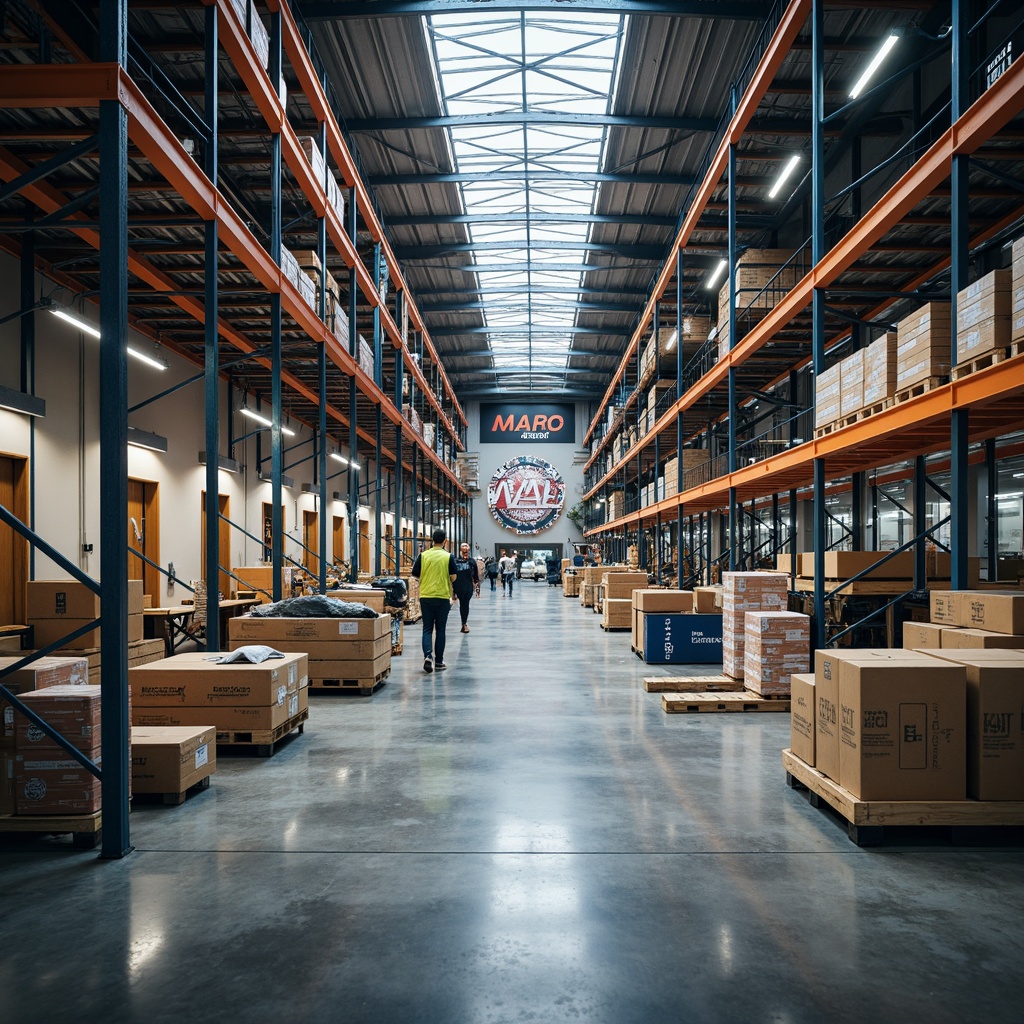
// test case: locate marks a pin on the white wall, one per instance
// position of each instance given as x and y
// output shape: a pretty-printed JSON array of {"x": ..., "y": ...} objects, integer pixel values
[{"x": 487, "y": 532}]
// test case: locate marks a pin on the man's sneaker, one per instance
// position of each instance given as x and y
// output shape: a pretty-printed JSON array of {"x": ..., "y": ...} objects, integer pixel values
[
  {"x": 440, "y": 665},
  {"x": 428, "y": 664}
]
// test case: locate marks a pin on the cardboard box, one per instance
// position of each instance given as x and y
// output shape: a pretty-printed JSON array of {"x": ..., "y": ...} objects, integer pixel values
[
  {"x": 903, "y": 728},
  {"x": 983, "y": 316},
  {"x": 52, "y": 631},
  {"x": 944, "y": 606},
  {"x": 663, "y": 600},
  {"x": 682, "y": 639},
  {"x": 802, "y": 716},
  {"x": 371, "y": 598},
  {"x": 69, "y": 599},
  {"x": 43, "y": 672},
  {"x": 973, "y": 639},
  {"x": 776, "y": 644},
  {"x": 851, "y": 383},
  {"x": 1017, "y": 294},
  {"x": 74, "y": 711},
  {"x": 172, "y": 759},
  {"x": 880, "y": 372},
  {"x": 707, "y": 600},
  {"x": 225, "y": 718},
  {"x": 995, "y": 723},
  {"x": 361, "y": 669},
  {"x": 617, "y": 612},
  {"x": 328, "y": 650},
  {"x": 923, "y": 636},
  {"x": 624, "y": 589},
  {"x": 54, "y": 784},
  {"x": 258, "y": 630},
  {"x": 998, "y": 611},
  {"x": 841, "y": 565},
  {"x": 193, "y": 679}
]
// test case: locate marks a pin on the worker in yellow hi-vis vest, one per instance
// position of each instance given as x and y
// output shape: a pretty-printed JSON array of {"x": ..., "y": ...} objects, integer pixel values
[{"x": 435, "y": 569}]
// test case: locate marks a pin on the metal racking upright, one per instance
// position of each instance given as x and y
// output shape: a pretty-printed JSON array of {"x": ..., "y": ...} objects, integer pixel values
[
  {"x": 773, "y": 356},
  {"x": 169, "y": 187}
]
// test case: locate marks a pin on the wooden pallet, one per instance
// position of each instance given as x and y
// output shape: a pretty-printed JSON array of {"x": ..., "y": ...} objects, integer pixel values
[
  {"x": 262, "y": 743},
  {"x": 918, "y": 389},
  {"x": 873, "y": 410},
  {"x": 689, "y": 703},
  {"x": 172, "y": 798},
  {"x": 969, "y": 366},
  {"x": 85, "y": 829},
  {"x": 1016, "y": 349},
  {"x": 363, "y": 685},
  {"x": 866, "y": 820},
  {"x": 828, "y": 428},
  {"x": 693, "y": 684}
]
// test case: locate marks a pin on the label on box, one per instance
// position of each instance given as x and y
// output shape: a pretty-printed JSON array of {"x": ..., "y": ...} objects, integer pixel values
[
  {"x": 202, "y": 755},
  {"x": 293, "y": 673},
  {"x": 293, "y": 705},
  {"x": 282, "y": 694},
  {"x": 348, "y": 628}
]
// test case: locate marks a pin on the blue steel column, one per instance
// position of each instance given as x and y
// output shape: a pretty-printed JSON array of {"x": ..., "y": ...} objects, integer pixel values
[
  {"x": 353, "y": 436},
  {"x": 733, "y": 510},
  {"x": 276, "y": 457},
  {"x": 857, "y": 509},
  {"x": 28, "y": 374},
  {"x": 321, "y": 366},
  {"x": 399, "y": 474},
  {"x": 818, "y": 308},
  {"x": 920, "y": 523},
  {"x": 377, "y": 369},
  {"x": 114, "y": 441},
  {"x": 679, "y": 422},
  {"x": 992, "y": 519},
  {"x": 211, "y": 379},
  {"x": 959, "y": 233}
]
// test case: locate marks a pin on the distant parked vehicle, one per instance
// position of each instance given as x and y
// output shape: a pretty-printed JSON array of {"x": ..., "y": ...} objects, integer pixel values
[{"x": 531, "y": 570}]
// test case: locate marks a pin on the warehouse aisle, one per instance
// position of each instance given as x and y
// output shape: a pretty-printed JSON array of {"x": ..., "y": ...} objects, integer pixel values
[{"x": 524, "y": 837}]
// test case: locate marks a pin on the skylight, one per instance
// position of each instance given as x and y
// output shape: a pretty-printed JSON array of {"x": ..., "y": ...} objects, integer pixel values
[{"x": 530, "y": 248}]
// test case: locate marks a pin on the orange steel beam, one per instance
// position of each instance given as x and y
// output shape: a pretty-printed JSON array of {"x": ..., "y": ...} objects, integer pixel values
[
  {"x": 311, "y": 87},
  {"x": 986, "y": 116},
  {"x": 778, "y": 49},
  {"x": 166, "y": 153}
]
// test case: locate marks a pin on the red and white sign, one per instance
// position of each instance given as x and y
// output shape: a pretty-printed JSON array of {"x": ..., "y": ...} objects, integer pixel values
[{"x": 526, "y": 494}]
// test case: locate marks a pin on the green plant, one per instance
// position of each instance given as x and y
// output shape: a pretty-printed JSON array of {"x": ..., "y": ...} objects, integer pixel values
[{"x": 575, "y": 515}]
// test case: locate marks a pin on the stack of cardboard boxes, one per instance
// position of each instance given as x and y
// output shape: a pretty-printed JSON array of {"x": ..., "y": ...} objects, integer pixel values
[
  {"x": 1017, "y": 293},
  {"x": 983, "y": 316},
  {"x": 42, "y": 673},
  {"x": 171, "y": 759},
  {"x": 652, "y": 602},
  {"x": 914, "y": 725},
  {"x": 257, "y": 30},
  {"x": 880, "y": 372},
  {"x": 776, "y": 645},
  {"x": 617, "y": 600},
  {"x": 58, "y": 607},
  {"x": 828, "y": 396},
  {"x": 342, "y": 653},
  {"x": 970, "y": 620},
  {"x": 745, "y": 592},
  {"x": 923, "y": 346},
  {"x": 241, "y": 697},
  {"x": 324, "y": 175}
]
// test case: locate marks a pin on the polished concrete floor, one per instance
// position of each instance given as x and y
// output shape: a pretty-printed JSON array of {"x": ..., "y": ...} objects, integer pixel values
[{"x": 525, "y": 837}]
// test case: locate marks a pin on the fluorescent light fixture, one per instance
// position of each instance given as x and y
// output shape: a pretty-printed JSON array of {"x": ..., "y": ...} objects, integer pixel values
[
  {"x": 76, "y": 321},
  {"x": 1018, "y": 476},
  {"x": 157, "y": 362},
  {"x": 791, "y": 166},
  {"x": 345, "y": 462},
  {"x": 716, "y": 274},
  {"x": 18, "y": 401},
  {"x": 253, "y": 415},
  {"x": 144, "y": 439},
  {"x": 872, "y": 67},
  {"x": 672, "y": 339},
  {"x": 228, "y": 465},
  {"x": 267, "y": 478}
]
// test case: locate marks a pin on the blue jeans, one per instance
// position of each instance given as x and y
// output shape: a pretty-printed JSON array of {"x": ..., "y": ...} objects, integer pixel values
[{"x": 435, "y": 618}]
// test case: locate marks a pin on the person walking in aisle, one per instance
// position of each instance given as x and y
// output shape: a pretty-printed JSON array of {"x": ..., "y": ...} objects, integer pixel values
[
  {"x": 507, "y": 568},
  {"x": 491, "y": 568},
  {"x": 467, "y": 583},
  {"x": 435, "y": 569}
]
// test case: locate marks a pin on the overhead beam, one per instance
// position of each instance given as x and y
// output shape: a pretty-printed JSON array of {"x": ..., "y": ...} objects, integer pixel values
[
  {"x": 527, "y": 331},
  {"x": 532, "y": 177},
  {"x": 411, "y": 253},
  {"x": 487, "y": 353},
  {"x": 519, "y": 117},
  {"x": 493, "y": 305},
  {"x": 533, "y": 371},
  {"x": 543, "y": 289},
  {"x": 523, "y": 217},
  {"x": 332, "y": 10}
]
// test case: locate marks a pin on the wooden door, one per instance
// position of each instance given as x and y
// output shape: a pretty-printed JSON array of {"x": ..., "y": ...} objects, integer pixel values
[
  {"x": 13, "y": 547},
  {"x": 365, "y": 565},
  {"x": 144, "y": 535},
  {"x": 310, "y": 538},
  {"x": 225, "y": 583},
  {"x": 338, "y": 538},
  {"x": 390, "y": 560}
]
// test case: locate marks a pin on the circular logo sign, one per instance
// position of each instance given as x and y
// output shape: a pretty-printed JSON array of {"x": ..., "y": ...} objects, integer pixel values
[{"x": 526, "y": 494}]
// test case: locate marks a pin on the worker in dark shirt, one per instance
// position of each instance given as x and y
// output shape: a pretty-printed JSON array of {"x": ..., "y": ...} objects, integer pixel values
[{"x": 467, "y": 583}]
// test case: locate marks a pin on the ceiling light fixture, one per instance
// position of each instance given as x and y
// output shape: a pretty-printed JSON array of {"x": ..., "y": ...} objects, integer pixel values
[
  {"x": 716, "y": 274},
  {"x": 345, "y": 462},
  {"x": 791, "y": 166},
  {"x": 253, "y": 415},
  {"x": 872, "y": 67},
  {"x": 671, "y": 343},
  {"x": 157, "y": 362},
  {"x": 76, "y": 321},
  {"x": 144, "y": 439}
]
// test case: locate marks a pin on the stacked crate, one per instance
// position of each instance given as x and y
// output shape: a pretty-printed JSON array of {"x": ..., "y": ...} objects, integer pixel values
[
  {"x": 656, "y": 602},
  {"x": 324, "y": 175},
  {"x": 571, "y": 584},
  {"x": 923, "y": 346},
  {"x": 1017, "y": 293},
  {"x": 413, "y": 417},
  {"x": 745, "y": 592},
  {"x": 58, "y": 607},
  {"x": 341, "y": 652},
  {"x": 828, "y": 396},
  {"x": 776, "y": 644},
  {"x": 616, "y": 505},
  {"x": 260, "y": 579},
  {"x": 257, "y": 30},
  {"x": 47, "y": 779},
  {"x": 190, "y": 689},
  {"x": 172, "y": 758},
  {"x": 366, "y": 365},
  {"x": 851, "y": 384},
  {"x": 983, "y": 316},
  {"x": 760, "y": 283},
  {"x": 880, "y": 371}
]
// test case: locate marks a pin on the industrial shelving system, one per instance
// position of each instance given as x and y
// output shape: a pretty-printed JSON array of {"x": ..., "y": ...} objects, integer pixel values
[
  {"x": 128, "y": 174},
  {"x": 935, "y": 223}
]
